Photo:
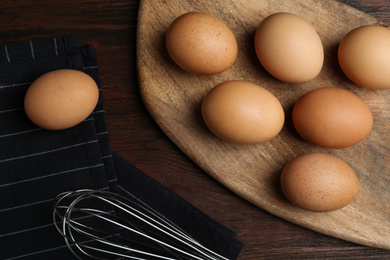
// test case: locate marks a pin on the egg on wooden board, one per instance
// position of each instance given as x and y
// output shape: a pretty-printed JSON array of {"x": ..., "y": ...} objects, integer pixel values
[
  {"x": 332, "y": 118},
  {"x": 319, "y": 182},
  {"x": 200, "y": 43},
  {"x": 61, "y": 99},
  {"x": 242, "y": 112},
  {"x": 364, "y": 56},
  {"x": 289, "y": 48}
]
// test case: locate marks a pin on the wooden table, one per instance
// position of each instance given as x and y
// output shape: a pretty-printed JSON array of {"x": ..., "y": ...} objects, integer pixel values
[{"x": 110, "y": 25}]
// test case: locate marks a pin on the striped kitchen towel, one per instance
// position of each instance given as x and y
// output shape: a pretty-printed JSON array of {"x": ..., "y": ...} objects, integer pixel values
[{"x": 37, "y": 164}]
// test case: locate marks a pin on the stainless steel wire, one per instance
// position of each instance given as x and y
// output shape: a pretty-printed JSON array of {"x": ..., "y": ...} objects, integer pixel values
[{"x": 106, "y": 225}]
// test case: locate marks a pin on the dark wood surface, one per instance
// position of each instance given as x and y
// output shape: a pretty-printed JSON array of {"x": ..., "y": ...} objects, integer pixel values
[{"x": 110, "y": 25}]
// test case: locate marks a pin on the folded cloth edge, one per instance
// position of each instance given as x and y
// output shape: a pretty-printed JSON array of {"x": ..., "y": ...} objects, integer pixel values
[{"x": 202, "y": 227}]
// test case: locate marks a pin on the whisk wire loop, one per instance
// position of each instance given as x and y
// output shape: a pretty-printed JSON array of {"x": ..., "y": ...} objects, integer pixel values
[{"x": 108, "y": 224}]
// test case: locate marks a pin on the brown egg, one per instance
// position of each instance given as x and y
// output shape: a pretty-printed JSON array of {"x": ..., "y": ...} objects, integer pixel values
[
  {"x": 242, "y": 112},
  {"x": 201, "y": 43},
  {"x": 61, "y": 99},
  {"x": 289, "y": 48},
  {"x": 364, "y": 56},
  {"x": 319, "y": 182},
  {"x": 332, "y": 118}
]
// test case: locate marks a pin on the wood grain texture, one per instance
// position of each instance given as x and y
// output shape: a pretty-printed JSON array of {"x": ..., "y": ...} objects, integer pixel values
[
  {"x": 173, "y": 98},
  {"x": 110, "y": 25}
]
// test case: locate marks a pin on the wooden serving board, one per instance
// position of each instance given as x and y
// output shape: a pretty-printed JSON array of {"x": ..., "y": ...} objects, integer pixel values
[{"x": 173, "y": 98}]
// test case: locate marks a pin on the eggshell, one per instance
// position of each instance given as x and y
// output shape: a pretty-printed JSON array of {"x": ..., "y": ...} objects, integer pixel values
[
  {"x": 201, "y": 43},
  {"x": 332, "y": 118},
  {"x": 319, "y": 182},
  {"x": 242, "y": 112},
  {"x": 61, "y": 99},
  {"x": 364, "y": 56},
  {"x": 289, "y": 48}
]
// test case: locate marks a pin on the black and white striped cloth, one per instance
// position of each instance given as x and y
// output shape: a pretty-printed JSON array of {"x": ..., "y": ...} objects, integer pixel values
[{"x": 37, "y": 164}]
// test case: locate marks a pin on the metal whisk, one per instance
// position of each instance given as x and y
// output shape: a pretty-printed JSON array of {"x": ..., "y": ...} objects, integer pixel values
[{"x": 105, "y": 225}]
